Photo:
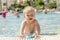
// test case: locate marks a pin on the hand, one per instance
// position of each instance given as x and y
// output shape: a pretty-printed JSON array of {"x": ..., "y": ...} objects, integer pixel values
[
  {"x": 38, "y": 36},
  {"x": 22, "y": 36}
]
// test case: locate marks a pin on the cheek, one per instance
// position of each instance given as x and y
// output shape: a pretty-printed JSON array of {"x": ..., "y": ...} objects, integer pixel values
[
  {"x": 25, "y": 16},
  {"x": 33, "y": 16}
]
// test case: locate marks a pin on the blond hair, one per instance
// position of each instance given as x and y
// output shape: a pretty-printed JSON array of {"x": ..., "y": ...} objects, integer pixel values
[{"x": 27, "y": 9}]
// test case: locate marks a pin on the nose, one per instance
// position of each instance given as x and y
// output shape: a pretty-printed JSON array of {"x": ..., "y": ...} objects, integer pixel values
[{"x": 30, "y": 16}]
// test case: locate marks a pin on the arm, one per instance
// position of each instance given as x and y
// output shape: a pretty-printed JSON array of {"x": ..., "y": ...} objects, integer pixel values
[
  {"x": 37, "y": 27},
  {"x": 22, "y": 28}
]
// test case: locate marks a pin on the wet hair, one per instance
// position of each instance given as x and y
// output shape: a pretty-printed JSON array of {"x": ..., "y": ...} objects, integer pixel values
[{"x": 27, "y": 9}]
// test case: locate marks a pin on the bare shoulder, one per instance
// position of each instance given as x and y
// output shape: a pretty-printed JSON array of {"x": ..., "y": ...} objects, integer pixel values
[
  {"x": 23, "y": 22},
  {"x": 35, "y": 21}
]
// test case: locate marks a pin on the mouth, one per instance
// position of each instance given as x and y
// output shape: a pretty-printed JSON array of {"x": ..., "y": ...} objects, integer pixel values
[{"x": 30, "y": 18}]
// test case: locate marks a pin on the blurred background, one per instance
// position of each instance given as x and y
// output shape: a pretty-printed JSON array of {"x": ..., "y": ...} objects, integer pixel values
[{"x": 47, "y": 14}]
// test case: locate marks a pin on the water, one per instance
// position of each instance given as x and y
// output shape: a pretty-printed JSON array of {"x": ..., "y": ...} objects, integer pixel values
[{"x": 49, "y": 24}]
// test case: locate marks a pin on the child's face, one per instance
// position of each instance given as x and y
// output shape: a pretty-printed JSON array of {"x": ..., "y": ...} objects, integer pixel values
[{"x": 29, "y": 15}]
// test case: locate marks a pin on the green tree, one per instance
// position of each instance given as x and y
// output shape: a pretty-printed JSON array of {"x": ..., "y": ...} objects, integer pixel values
[
  {"x": 38, "y": 2},
  {"x": 52, "y": 5}
]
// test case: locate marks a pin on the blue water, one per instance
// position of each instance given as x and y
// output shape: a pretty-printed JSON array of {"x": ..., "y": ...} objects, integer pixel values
[{"x": 49, "y": 23}]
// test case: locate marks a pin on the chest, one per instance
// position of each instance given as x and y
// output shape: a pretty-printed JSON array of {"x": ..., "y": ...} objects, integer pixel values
[{"x": 30, "y": 25}]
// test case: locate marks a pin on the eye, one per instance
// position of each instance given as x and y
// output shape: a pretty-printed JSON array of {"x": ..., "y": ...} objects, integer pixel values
[
  {"x": 27, "y": 15},
  {"x": 31, "y": 14}
]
